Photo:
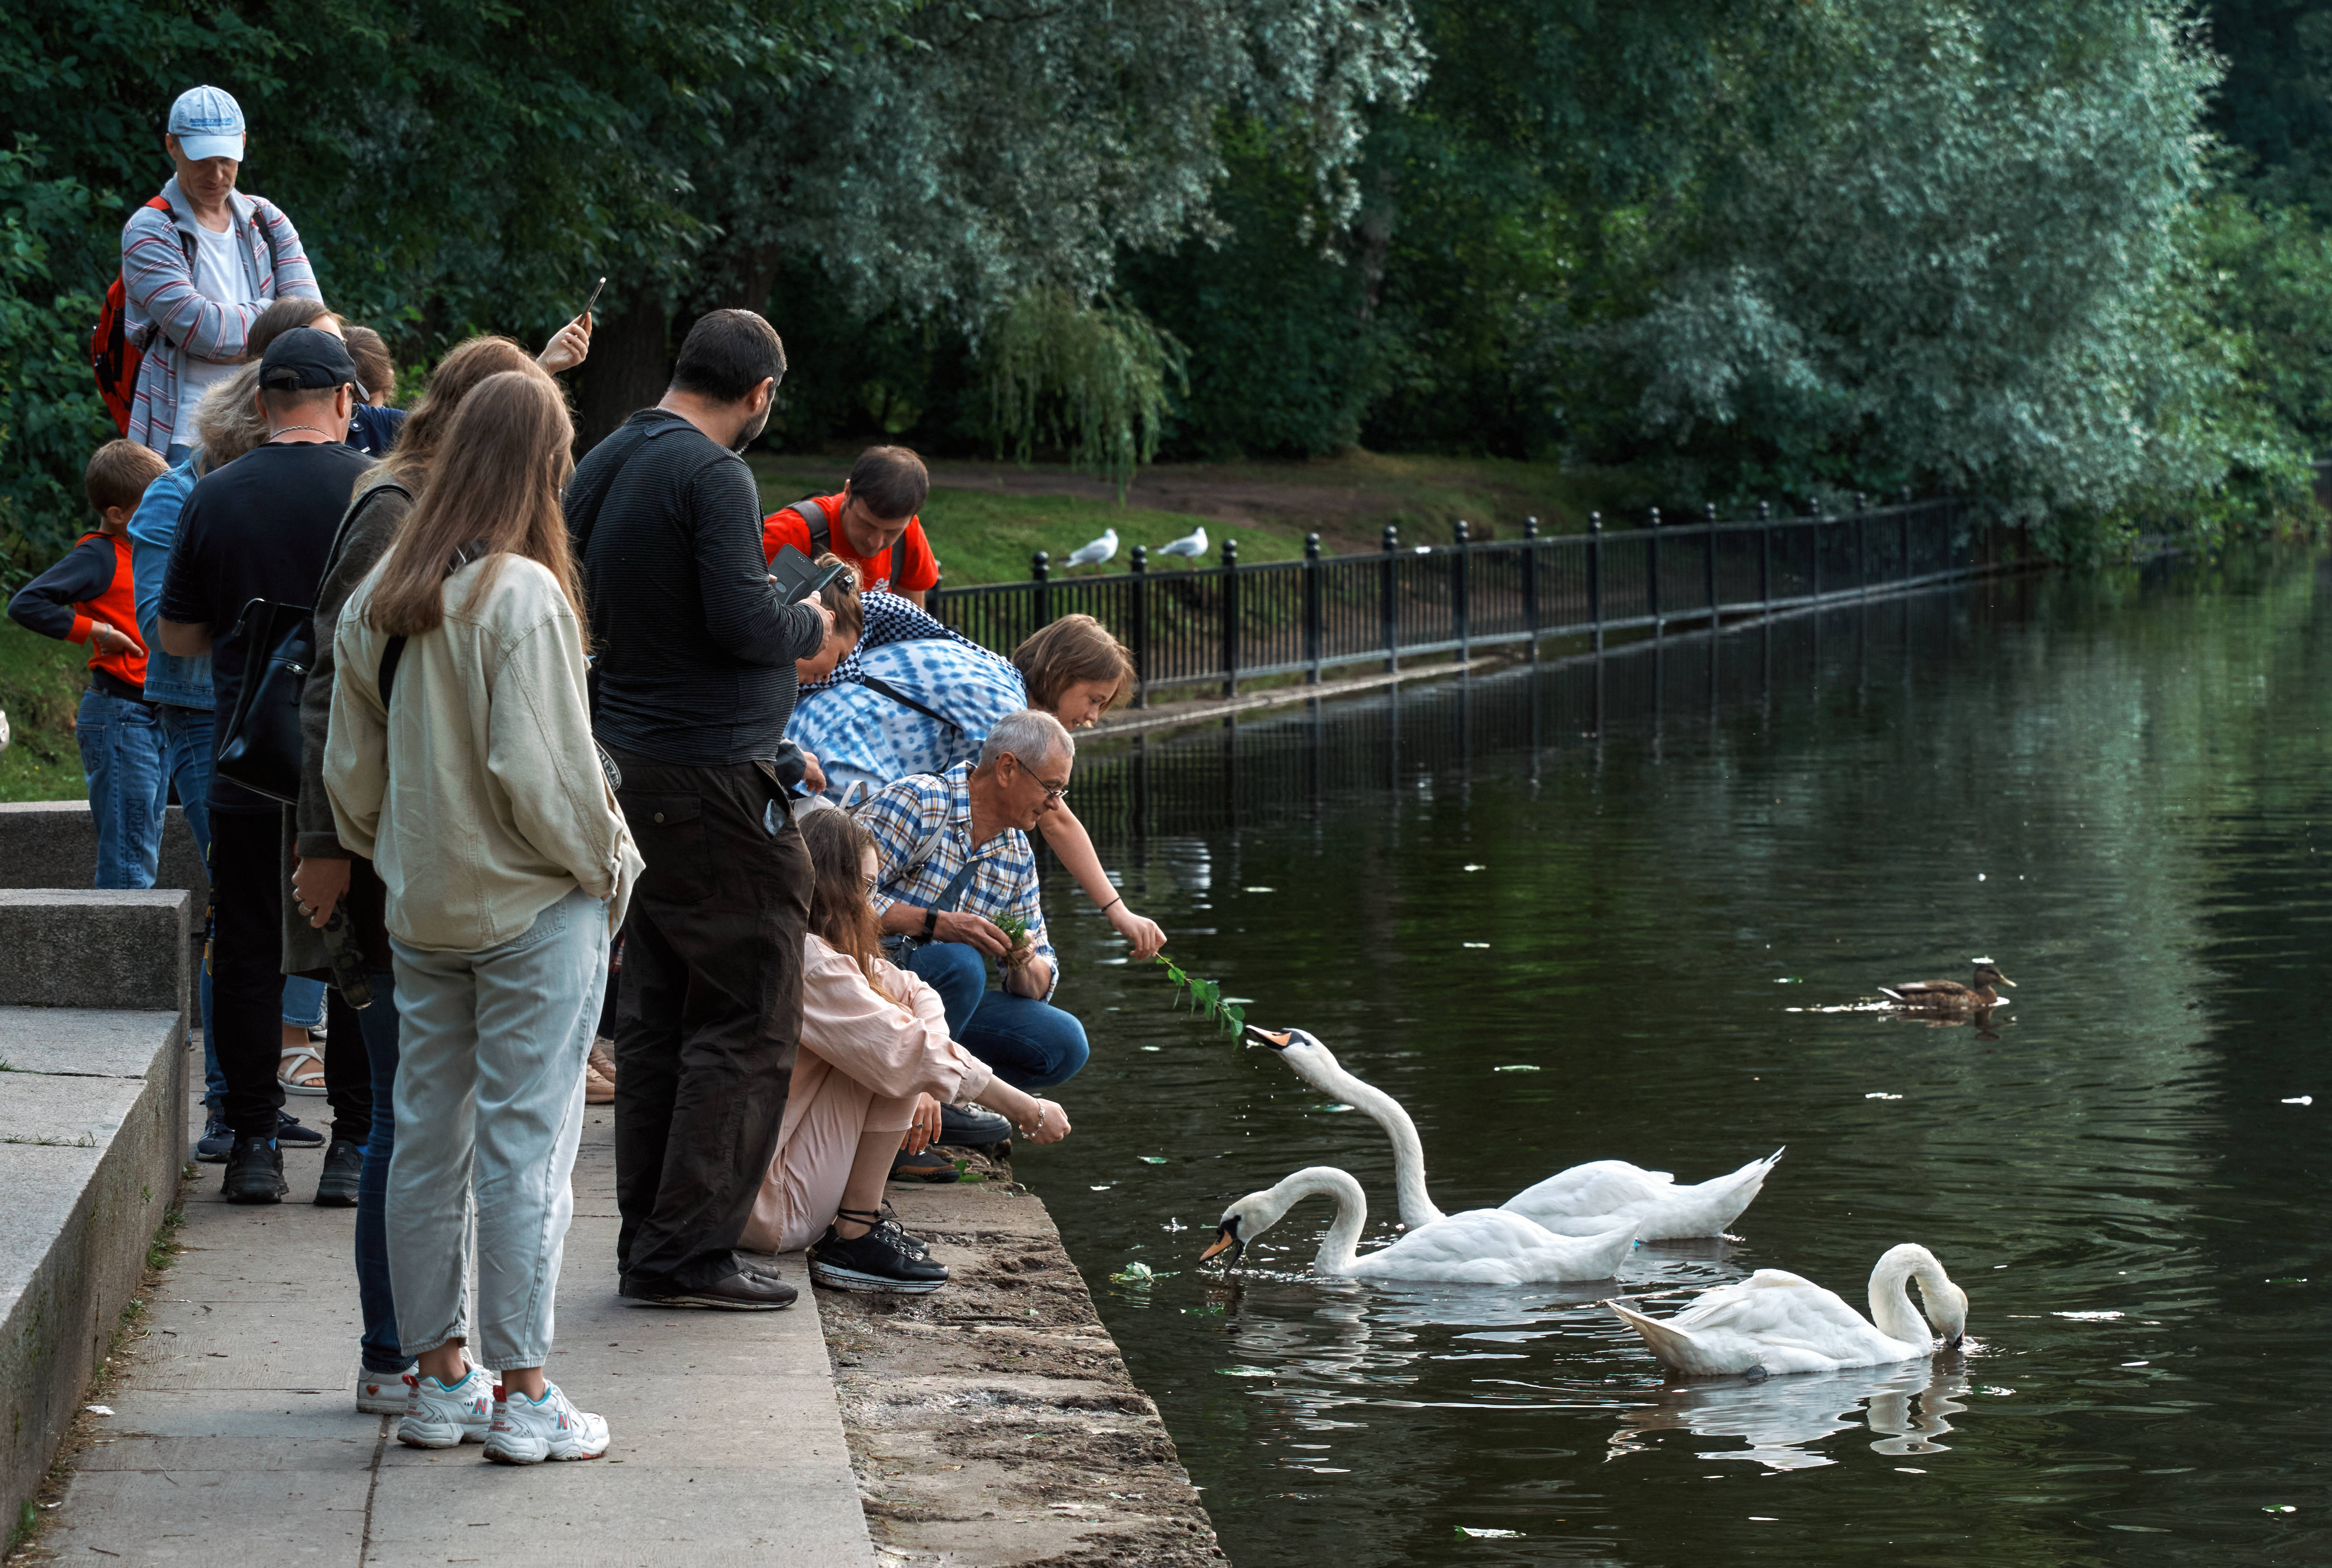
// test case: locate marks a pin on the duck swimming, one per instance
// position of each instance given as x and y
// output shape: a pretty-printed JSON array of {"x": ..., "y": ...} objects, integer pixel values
[{"x": 1950, "y": 996}]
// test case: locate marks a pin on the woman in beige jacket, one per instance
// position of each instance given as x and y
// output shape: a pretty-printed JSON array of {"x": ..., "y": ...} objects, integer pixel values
[
  {"x": 460, "y": 762},
  {"x": 876, "y": 1061}
]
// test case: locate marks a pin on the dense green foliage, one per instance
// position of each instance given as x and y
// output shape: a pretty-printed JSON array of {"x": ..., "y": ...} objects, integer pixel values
[{"x": 2029, "y": 251}]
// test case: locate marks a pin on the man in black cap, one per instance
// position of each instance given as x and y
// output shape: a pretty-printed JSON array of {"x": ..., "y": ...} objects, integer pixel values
[{"x": 259, "y": 528}]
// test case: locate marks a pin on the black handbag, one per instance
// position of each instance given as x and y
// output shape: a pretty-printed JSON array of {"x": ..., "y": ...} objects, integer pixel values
[{"x": 260, "y": 746}]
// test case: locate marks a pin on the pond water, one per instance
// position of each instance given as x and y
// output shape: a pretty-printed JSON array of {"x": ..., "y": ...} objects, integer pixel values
[{"x": 2116, "y": 786}]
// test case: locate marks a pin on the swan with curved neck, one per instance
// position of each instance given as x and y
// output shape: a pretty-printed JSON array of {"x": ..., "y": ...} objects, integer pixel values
[
  {"x": 1479, "y": 1247},
  {"x": 1583, "y": 1201},
  {"x": 1775, "y": 1322}
]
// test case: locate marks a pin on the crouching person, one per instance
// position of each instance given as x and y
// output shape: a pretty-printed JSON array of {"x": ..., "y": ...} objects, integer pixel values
[
  {"x": 507, "y": 865},
  {"x": 875, "y": 1062}
]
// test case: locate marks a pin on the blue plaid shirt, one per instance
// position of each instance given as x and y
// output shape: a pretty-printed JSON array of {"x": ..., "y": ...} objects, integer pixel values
[{"x": 902, "y": 816}]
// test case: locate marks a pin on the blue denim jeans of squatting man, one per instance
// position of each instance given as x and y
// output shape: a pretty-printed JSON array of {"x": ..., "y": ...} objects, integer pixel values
[
  {"x": 1030, "y": 1044},
  {"x": 121, "y": 759},
  {"x": 187, "y": 736},
  {"x": 488, "y": 1114}
]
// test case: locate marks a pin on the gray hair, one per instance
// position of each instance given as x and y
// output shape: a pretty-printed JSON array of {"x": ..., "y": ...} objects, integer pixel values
[
  {"x": 1031, "y": 734},
  {"x": 227, "y": 420}
]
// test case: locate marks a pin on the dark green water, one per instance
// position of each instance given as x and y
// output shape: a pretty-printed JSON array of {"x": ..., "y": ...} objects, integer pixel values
[{"x": 2119, "y": 789}]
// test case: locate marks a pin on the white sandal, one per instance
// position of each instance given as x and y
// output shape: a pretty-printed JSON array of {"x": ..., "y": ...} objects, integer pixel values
[{"x": 297, "y": 1081}]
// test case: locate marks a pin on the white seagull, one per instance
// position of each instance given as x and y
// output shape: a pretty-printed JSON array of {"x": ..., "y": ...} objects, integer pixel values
[
  {"x": 1097, "y": 553},
  {"x": 1190, "y": 547}
]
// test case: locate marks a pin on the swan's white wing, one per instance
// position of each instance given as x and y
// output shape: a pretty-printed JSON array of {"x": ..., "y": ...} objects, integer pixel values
[
  {"x": 1601, "y": 1186},
  {"x": 1493, "y": 1246},
  {"x": 1783, "y": 1323}
]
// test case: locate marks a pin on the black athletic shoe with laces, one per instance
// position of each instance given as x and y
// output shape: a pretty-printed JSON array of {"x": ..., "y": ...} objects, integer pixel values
[{"x": 885, "y": 1258}]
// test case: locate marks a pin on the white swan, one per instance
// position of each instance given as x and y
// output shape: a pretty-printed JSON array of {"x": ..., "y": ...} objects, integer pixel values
[
  {"x": 1775, "y": 1322},
  {"x": 1480, "y": 1246},
  {"x": 1584, "y": 1200}
]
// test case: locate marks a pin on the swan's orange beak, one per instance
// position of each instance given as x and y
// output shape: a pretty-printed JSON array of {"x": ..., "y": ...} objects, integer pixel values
[
  {"x": 1277, "y": 1041},
  {"x": 1226, "y": 1241}
]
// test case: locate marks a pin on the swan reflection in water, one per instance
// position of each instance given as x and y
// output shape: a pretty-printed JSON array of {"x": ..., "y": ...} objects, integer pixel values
[{"x": 1909, "y": 1406}]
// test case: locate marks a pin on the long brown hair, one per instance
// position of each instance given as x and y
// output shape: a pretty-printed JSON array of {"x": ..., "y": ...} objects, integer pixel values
[
  {"x": 838, "y": 910},
  {"x": 457, "y": 374},
  {"x": 497, "y": 486},
  {"x": 1066, "y": 652}
]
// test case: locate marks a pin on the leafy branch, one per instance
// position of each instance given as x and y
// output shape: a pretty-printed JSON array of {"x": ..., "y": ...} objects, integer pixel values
[{"x": 1206, "y": 997}]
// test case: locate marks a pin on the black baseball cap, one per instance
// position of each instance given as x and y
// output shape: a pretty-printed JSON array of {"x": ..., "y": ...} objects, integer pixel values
[{"x": 306, "y": 359}]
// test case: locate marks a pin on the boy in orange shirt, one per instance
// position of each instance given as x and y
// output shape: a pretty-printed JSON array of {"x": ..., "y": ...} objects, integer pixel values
[
  {"x": 872, "y": 524},
  {"x": 88, "y": 597}
]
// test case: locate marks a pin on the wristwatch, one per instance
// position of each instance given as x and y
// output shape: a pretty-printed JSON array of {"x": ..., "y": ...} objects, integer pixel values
[{"x": 930, "y": 923}]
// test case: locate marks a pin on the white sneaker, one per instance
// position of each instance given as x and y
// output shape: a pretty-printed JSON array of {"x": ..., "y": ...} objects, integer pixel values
[
  {"x": 527, "y": 1431},
  {"x": 383, "y": 1393},
  {"x": 438, "y": 1416}
]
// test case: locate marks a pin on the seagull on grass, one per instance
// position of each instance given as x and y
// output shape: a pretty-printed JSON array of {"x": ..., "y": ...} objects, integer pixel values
[
  {"x": 1097, "y": 553},
  {"x": 1190, "y": 547}
]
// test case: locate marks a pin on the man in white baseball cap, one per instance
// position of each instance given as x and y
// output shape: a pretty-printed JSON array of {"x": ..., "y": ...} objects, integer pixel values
[{"x": 198, "y": 264}]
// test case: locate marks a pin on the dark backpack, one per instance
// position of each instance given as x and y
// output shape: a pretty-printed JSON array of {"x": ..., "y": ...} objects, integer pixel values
[{"x": 111, "y": 354}]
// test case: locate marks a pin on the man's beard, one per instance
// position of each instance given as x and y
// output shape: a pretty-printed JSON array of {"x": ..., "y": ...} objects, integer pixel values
[{"x": 751, "y": 433}]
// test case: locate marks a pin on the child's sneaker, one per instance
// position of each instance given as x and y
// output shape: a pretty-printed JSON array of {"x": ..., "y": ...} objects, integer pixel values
[
  {"x": 383, "y": 1394},
  {"x": 527, "y": 1431},
  {"x": 438, "y": 1416}
]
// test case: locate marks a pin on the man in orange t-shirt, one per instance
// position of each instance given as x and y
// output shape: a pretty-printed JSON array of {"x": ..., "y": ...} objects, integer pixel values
[{"x": 871, "y": 524}]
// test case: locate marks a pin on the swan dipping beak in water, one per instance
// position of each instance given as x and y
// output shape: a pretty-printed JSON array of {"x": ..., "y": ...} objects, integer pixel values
[{"x": 1775, "y": 1322}]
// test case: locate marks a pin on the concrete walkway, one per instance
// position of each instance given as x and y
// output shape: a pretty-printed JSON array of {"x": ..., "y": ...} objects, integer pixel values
[{"x": 234, "y": 1439}]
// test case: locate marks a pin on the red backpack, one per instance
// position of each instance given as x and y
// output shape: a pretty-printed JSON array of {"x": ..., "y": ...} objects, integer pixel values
[{"x": 111, "y": 352}]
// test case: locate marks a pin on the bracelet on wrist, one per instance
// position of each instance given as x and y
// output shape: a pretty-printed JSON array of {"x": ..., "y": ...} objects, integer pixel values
[{"x": 1112, "y": 903}]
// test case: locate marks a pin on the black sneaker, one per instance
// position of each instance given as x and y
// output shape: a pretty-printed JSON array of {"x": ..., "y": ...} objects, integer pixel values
[
  {"x": 879, "y": 1260},
  {"x": 291, "y": 1132},
  {"x": 217, "y": 1140},
  {"x": 971, "y": 1125},
  {"x": 930, "y": 1166},
  {"x": 255, "y": 1172},
  {"x": 343, "y": 1165}
]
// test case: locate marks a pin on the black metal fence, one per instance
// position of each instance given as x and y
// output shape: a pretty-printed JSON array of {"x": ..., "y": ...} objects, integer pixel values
[{"x": 1248, "y": 620}]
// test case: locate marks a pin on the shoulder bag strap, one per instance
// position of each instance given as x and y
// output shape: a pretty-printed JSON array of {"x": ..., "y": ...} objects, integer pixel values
[
  {"x": 585, "y": 516},
  {"x": 389, "y": 657},
  {"x": 885, "y": 689}
]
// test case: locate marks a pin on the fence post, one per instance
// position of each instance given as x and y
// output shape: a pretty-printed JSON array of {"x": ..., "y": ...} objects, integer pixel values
[
  {"x": 1389, "y": 608},
  {"x": 1708, "y": 566},
  {"x": 1230, "y": 618},
  {"x": 1861, "y": 546},
  {"x": 1903, "y": 534},
  {"x": 1765, "y": 555},
  {"x": 1313, "y": 635},
  {"x": 1139, "y": 629},
  {"x": 1530, "y": 582},
  {"x": 1460, "y": 611},
  {"x": 1652, "y": 572},
  {"x": 1595, "y": 575},
  {"x": 1040, "y": 571},
  {"x": 1814, "y": 510}
]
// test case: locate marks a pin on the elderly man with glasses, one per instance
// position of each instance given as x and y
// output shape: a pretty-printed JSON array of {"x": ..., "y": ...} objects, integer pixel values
[{"x": 956, "y": 862}]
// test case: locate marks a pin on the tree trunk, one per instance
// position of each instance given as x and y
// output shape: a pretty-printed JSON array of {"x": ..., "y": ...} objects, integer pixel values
[{"x": 629, "y": 367}]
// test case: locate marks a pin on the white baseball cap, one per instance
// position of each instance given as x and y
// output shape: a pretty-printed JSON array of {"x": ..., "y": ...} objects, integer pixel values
[{"x": 209, "y": 123}]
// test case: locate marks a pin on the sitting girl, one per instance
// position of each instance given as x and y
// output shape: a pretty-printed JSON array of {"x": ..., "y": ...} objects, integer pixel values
[{"x": 875, "y": 1062}]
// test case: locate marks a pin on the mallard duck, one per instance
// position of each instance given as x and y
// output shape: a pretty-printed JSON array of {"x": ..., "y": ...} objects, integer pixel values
[{"x": 1950, "y": 996}]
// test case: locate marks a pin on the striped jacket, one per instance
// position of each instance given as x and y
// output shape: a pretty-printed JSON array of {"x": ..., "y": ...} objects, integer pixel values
[{"x": 167, "y": 318}]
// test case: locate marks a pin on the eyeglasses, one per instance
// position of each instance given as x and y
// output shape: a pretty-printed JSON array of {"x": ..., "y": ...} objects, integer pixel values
[{"x": 1052, "y": 791}]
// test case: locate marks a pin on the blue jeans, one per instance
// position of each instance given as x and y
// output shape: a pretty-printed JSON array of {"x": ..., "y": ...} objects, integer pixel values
[
  {"x": 304, "y": 1002},
  {"x": 488, "y": 1123},
  {"x": 121, "y": 758},
  {"x": 377, "y": 1026},
  {"x": 1031, "y": 1043},
  {"x": 186, "y": 740}
]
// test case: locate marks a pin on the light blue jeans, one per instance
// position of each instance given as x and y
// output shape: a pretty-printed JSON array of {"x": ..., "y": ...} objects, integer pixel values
[
  {"x": 121, "y": 760},
  {"x": 489, "y": 1094}
]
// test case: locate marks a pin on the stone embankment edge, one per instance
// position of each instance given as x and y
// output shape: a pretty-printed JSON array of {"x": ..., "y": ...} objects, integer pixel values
[
  {"x": 92, "y": 1140},
  {"x": 993, "y": 1422}
]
